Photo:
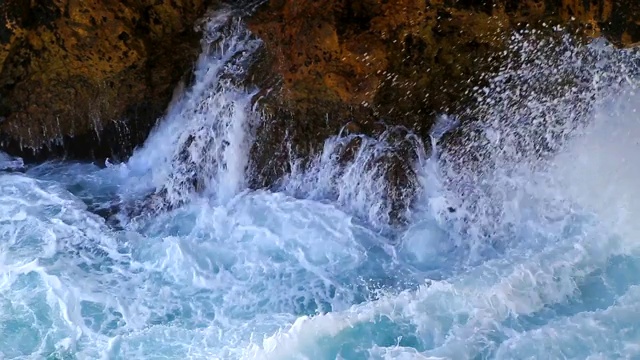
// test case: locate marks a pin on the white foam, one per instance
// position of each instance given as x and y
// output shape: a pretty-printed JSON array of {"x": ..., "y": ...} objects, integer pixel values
[
  {"x": 358, "y": 183},
  {"x": 528, "y": 205},
  {"x": 591, "y": 335},
  {"x": 456, "y": 316},
  {"x": 10, "y": 162},
  {"x": 205, "y": 136}
]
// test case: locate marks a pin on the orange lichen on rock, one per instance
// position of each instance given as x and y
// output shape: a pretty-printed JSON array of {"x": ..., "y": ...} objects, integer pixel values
[{"x": 94, "y": 74}]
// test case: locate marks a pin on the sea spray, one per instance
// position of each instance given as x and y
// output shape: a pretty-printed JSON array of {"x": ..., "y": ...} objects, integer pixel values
[
  {"x": 372, "y": 178},
  {"x": 202, "y": 144},
  {"x": 527, "y": 229},
  {"x": 498, "y": 173}
]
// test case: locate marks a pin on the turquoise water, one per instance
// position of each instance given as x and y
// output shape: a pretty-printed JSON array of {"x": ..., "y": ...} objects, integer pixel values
[{"x": 522, "y": 256}]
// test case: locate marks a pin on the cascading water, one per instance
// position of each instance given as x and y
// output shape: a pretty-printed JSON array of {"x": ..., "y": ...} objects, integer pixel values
[
  {"x": 204, "y": 141},
  {"x": 520, "y": 244}
]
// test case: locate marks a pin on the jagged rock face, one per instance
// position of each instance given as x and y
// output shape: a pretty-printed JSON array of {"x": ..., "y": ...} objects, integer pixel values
[
  {"x": 403, "y": 61},
  {"x": 397, "y": 62},
  {"x": 92, "y": 74}
]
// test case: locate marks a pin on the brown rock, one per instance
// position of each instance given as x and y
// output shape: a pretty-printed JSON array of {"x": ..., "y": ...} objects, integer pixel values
[{"x": 90, "y": 77}]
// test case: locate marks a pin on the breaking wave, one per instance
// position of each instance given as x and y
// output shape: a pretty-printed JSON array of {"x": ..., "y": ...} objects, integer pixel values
[{"x": 520, "y": 243}]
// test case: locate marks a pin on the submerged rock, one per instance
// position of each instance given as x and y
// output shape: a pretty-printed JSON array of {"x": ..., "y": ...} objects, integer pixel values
[{"x": 90, "y": 78}]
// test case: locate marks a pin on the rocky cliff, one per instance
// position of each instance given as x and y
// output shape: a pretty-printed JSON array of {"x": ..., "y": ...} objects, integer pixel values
[
  {"x": 89, "y": 78},
  {"x": 362, "y": 65}
]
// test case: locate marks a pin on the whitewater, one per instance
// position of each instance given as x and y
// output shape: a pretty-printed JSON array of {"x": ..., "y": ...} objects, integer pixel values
[{"x": 521, "y": 244}]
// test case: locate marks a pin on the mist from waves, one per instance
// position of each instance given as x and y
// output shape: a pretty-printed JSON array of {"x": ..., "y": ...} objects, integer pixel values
[{"x": 537, "y": 259}]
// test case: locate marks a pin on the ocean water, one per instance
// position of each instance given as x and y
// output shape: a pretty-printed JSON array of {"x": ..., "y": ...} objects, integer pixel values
[{"x": 522, "y": 244}]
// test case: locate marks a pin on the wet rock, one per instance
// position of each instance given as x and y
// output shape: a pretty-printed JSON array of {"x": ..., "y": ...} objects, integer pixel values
[
  {"x": 356, "y": 66},
  {"x": 89, "y": 78}
]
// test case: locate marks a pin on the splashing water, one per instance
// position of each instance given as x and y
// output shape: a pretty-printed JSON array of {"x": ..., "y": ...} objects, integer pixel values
[
  {"x": 521, "y": 243},
  {"x": 204, "y": 141},
  {"x": 353, "y": 172},
  {"x": 9, "y": 163}
]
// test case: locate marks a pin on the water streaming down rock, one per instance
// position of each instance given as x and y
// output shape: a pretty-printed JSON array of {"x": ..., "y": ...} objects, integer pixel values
[
  {"x": 508, "y": 252},
  {"x": 201, "y": 146},
  {"x": 372, "y": 178}
]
